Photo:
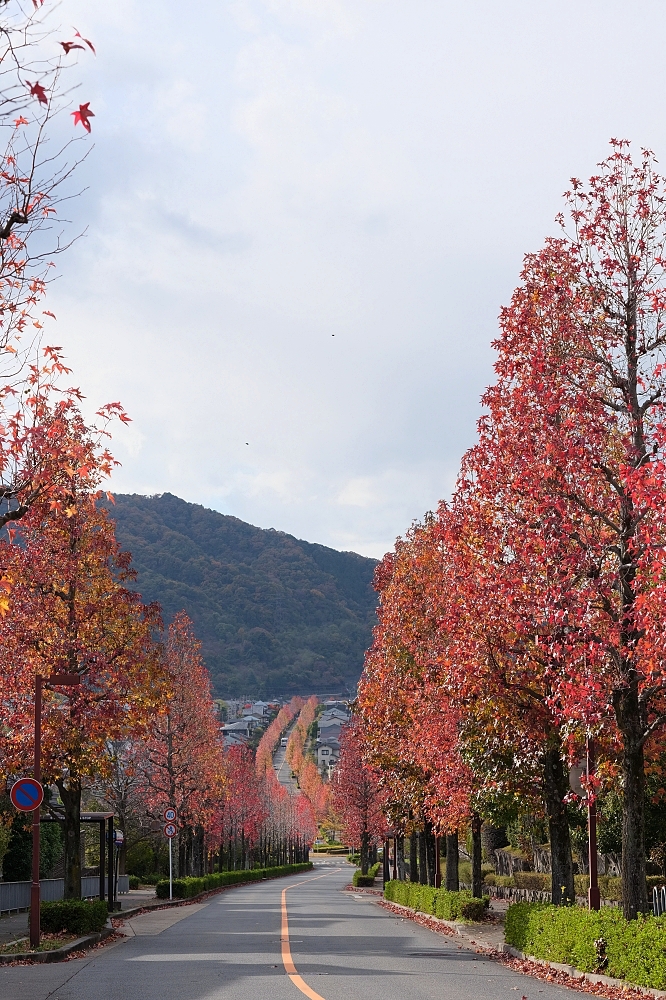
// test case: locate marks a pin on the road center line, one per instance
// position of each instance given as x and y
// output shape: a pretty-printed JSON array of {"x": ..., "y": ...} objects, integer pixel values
[{"x": 287, "y": 961}]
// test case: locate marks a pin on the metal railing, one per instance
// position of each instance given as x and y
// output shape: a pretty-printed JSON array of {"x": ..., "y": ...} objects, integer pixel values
[
  {"x": 16, "y": 895},
  {"x": 659, "y": 900}
]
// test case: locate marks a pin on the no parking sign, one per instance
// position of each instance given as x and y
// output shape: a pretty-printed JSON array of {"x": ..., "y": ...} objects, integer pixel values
[{"x": 27, "y": 794}]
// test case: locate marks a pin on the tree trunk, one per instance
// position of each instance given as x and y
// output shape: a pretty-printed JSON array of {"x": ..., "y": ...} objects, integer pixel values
[
  {"x": 477, "y": 875},
  {"x": 452, "y": 882},
  {"x": 634, "y": 888},
  {"x": 556, "y": 787},
  {"x": 70, "y": 793},
  {"x": 365, "y": 843},
  {"x": 430, "y": 845},
  {"x": 423, "y": 860},
  {"x": 400, "y": 857},
  {"x": 413, "y": 866}
]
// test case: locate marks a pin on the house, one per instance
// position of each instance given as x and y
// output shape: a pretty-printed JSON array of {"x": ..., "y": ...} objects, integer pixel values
[
  {"x": 335, "y": 713},
  {"x": 328, "y": 755},
  {"x": 330, "y": 729},
  {"x": 241, "y": 728}
]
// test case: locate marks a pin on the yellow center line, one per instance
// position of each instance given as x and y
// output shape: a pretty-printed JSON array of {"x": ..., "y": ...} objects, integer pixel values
[{"x": 287, "y": 961}]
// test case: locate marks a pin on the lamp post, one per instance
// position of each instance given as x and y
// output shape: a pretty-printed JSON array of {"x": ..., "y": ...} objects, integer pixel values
[{"x": 63, "y": 680}]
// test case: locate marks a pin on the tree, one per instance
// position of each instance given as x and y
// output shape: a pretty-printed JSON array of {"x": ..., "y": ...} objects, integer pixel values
[
  {"x": 244, "y": 811},
  {"x": 33, "y": 67},
  {"x": 181, "y": 763},
  {"x": 71, "y": 612},
  {"x": 581, "y": 378},
  {"x": 356, "y": 795}
]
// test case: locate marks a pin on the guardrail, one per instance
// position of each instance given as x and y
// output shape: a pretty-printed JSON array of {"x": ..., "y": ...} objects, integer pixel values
[{"x": 16, "y": 895}]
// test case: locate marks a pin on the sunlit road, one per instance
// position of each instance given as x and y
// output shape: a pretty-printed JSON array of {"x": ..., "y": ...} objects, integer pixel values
[
  {"x": 282, "y": 768},
  {"x": 342, "y": 946}
]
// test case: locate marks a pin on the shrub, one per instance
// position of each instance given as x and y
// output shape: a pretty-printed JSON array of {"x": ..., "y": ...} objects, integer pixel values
[
  {"x": 185, "y": 888},
  {"x": 504, "y": 880},
  {"x": 532, "y": 880},
  {"x": 77, "y": 916},
  {"x": 134, "y": 881},
  {"x": 594, "y": 941},
  {"x": 472, "y": 909},
  {"x": 438, "y": 902},
  {"x": 362, "y": 880}
]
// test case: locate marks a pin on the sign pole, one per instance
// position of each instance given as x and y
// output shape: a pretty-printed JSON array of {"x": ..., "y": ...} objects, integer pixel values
[
  {"x": 593, "y": 895},
  {"x": 37, "y": 774},
  {"x": 170, "y": 872}
]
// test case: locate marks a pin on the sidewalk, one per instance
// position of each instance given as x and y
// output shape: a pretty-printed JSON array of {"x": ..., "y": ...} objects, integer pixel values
[{"x": 15, "y": 925}]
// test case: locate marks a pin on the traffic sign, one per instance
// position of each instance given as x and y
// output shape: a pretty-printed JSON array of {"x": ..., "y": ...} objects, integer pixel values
[
  {"x": 118, "y": 837},
  {"x": 170, "y": 815},
  {"x": 26, "y": 794},
  {"x": 170, "y": 830}
]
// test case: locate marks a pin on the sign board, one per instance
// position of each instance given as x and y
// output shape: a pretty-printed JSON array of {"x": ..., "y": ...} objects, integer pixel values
[
  {"x": 170, "y": 830},
  {"x": 118, "y": 836},
  {"x": 170, "y": 815},
  {"x": 26, "y": 794}
]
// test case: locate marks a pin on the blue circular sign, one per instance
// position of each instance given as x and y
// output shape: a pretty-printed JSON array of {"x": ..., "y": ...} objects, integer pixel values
[{"x": 26, "y": 794}]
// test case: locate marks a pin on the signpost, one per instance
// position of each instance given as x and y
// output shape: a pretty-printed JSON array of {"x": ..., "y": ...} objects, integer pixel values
[
  {"x": 26, "y": 794},
  {"x": 170, "y": 831},
  {"x": 31, "y": 789}
]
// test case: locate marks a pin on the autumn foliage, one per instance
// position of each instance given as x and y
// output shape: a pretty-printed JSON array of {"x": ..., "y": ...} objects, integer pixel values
[{"x": 528, "y": 613}]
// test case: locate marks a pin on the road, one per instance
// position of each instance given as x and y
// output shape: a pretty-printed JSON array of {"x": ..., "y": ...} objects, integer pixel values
[
  {"x": 341, "y": 946},
  {"x": 282, "y": 768}
]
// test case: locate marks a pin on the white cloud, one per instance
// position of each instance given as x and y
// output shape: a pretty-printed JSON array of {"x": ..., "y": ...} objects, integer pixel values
[{"x": 303, "y": 220}]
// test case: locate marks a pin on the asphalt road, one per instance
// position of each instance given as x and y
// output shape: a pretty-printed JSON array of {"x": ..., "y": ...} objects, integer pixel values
[
  {"x": 343, "y": 946},
  {"x": 282, "y": 768}
]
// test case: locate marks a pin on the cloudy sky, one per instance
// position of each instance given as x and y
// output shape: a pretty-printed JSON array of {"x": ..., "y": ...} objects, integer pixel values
[{"x": 303, "y": 218}]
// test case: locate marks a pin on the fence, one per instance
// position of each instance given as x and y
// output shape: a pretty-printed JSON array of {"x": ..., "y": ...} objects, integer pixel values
[{"x": 16, "y": 895}]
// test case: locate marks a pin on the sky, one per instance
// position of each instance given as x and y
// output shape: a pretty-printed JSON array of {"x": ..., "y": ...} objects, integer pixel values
[{"x": 302, "y": 218}]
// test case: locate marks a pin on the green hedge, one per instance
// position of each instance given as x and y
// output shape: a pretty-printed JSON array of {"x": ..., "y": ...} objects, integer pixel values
[
  {"x": 134, "y": 881},
  {"x": 77, "y": 916},
  {"x": 366, "y": 880},
  {"x": 184, "y": 888},
  {"x": 438, "y": 902},
  {"x": 593, "y": 941}
]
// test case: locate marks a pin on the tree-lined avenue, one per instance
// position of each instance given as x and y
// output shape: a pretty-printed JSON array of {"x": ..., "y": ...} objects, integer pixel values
[{"x": 343, "y": 945}]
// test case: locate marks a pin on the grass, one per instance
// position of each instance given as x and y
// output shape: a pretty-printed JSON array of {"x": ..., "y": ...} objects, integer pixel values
[{"x": 49, "y": 942}]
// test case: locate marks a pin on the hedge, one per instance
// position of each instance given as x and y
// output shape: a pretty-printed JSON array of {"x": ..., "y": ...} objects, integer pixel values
[
  {"x": 184, "y": 888},
  {"x": 77, "y": 916},
  {"x": 368, "y": 880},
  {"x": 438, "y": 902},
  {"x": 593, "y": 941}
]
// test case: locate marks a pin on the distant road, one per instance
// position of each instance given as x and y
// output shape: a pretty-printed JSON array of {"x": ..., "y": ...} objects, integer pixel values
[
  {"x": 333, "y": 945},
  {"x": 281, "y": 766}
]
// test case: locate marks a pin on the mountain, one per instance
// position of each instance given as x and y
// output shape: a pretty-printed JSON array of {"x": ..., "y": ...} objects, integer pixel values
[{"x": 275, "y": 615}]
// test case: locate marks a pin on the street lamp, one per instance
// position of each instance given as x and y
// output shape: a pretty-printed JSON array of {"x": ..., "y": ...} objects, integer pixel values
[{"x": 61, "y": 680}]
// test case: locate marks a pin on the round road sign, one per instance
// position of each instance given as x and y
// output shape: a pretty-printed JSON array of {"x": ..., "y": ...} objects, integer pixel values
[
  {"x": 26, "y": 794},
  {"x": 170, "y": 815},
  {"x": 170, "y": 830}
]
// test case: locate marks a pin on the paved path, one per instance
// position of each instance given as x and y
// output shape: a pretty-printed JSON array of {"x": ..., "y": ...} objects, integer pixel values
[
  {"x": 281, "y": 766},
  {"x": 341, "y": 946}
]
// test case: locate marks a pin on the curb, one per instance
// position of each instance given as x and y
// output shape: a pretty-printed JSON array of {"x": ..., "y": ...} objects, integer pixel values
[
  {"x": 58, "y": 954},
  {"x": 590, "y": 977}
]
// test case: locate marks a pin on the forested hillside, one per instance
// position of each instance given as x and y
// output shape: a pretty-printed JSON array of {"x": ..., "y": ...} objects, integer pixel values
[{"x": 276, "y": 615}]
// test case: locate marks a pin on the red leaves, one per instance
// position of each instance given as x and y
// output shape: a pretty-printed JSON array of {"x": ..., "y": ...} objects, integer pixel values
[
  {"x": 68, "y": 46},
  {"x": 83, "y": 116},
  {"x": 357, "y": 798},
  {"x": 36, "y": 90},
  {"x": 86, "y": 40}
]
